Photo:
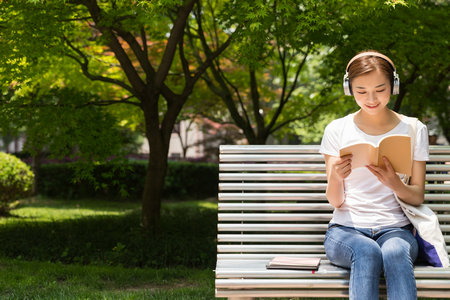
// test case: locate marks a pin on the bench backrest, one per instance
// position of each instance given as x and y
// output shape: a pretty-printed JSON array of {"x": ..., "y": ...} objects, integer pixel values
[{"x": 272, "y": 199}]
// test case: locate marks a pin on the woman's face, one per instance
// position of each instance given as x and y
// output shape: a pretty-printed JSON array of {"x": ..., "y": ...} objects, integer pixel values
[{"x": 372, "y": 91}]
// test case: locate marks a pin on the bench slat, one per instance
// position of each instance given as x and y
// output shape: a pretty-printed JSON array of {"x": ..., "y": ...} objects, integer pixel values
[
  {"x": 290, "y": 217},
  {"x": 235, "y": 206},
  {"x": 272, "y": 196},
  {"x": 298, "y": 149},
  {"x": 274, "y": 217},
  {"x": 284, "y": 283},
  {"x": 273, "y": 176},
  {"x": 271, "y": 238},
  {"x": 269, "y": 148},
  {"x": 276, "y": 248},
  {"x": 312, "y": 283},
  {"x": 289, "y": 238},
  {"x": 437, "y": 177},
  {"x": 284, "y": 227},
  {"x": 271, "y": 248},
  {"x": 296, "y": 158},
  {"x": 271, "y": 157},
  {"x": 246, "y": 268},
  {"x": 438, "y": 167},
  {"x": 301, "y": 196},
  {"x": 249, "y": 257},
  {"x": 313, "y": 293},
  {"x": 440, "y": 158},
  {"x": 272, "y": 227},
  {"x": 299, "y": 177},
  {"x": 300, "y": 187},
  {"x": 272, "y": 167},
  {"x": 303, "y": 167},
  {"x": 275, "y": 206},
  {"x": 272, "y": 186}
]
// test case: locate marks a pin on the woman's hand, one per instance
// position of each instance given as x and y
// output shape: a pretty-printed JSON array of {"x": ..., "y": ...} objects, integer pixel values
[
  {"x": 340, "y": 166},
  {"x": 386, "y": 175}
]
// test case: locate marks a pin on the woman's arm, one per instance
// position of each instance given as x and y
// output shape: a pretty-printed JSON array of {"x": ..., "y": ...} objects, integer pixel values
[
  {"x": 412, "y": 193},
  {"x": 338, "y": 168}
]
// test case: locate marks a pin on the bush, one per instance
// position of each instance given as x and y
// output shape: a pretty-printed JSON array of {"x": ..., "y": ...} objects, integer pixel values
[
  {"x": 16, "y": 180},
  {"x": 184, "y": 180}
]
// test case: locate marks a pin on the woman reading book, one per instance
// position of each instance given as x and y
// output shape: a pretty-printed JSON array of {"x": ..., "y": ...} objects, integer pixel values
[{"x": 369, "y": 233}]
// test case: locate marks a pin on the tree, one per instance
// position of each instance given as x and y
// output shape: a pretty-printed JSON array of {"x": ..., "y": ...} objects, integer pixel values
[
  {"x": 258, "y": 78},
  {"x": 90, "y": 31}
]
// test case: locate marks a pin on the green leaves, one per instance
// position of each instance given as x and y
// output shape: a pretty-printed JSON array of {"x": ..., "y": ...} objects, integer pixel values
[{"x": 16, "y": 180}]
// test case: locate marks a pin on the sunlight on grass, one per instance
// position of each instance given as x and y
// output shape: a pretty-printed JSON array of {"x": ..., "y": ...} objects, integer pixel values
[
  {"x": 208, "y": 204},
  {"x": 42, "y": 210}
]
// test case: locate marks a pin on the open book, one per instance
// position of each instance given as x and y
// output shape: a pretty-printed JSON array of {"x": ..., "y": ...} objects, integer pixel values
[
  {"x": 300, "y": 263},
  {"x": 396, "y": 147}
]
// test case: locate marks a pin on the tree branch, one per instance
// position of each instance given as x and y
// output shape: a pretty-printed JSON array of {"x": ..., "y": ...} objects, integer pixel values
[
  {"x": 289, "y": 94},
  {"x": 282, "y": 124},
  {"x": 110, "y": 102},
  {"x": 236, "y": 90},
  {"x": 125, "y": 62},
  {"x": 254, "y": 94},
  {"x": 176, "y": 34},
  {"x": 84, "y": 64},
  {"x": 141, "y": 54}
]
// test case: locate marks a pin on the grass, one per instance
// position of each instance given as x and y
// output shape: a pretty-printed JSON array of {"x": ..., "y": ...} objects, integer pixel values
[
  {"x": 107, "y": 232},
  {"x": 45, "y": 280},
  {"x": 42, "y": 233},
  {"x": 39, "y": 209}
]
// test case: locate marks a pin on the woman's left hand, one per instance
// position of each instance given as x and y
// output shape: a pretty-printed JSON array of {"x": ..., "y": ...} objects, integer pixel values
[{"x": 386, "y": 175}]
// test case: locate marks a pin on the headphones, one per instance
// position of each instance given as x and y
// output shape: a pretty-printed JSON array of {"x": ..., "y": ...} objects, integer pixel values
[{"x": 395, "y": 86}]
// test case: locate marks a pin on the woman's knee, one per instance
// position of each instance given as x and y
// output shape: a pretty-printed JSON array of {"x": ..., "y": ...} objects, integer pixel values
[
  {"x": 399, "y": 247},
  {"x": 344, "y": 247},
  {"x": 369, "y": 253},
  {"x": 397, "y": 250}
]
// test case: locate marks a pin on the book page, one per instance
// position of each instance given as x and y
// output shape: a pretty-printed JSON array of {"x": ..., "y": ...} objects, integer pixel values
[
  {"x": 283, "y": 262},
  {"x": 363, "y": 154},
  {"x": 397, "y": 148}
]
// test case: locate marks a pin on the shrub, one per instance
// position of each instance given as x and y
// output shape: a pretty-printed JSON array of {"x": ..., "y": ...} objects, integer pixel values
[
  {"x": 16, "y": 180},
  {"x": 184, "y": 180}
]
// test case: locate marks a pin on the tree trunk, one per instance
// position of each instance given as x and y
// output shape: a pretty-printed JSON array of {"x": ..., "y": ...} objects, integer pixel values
[
  {"x": 157, "y": 165},
  {"x": 36, "y": 168},
  {"x": 154, "y": 183}
]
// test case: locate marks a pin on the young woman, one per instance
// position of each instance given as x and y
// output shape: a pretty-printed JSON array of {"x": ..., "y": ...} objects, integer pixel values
[{"x": 369, "y": 233}]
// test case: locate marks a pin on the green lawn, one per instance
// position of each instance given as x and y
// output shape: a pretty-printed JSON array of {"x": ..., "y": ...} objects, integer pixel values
[
  {"x": 44, "y": 280},
  {"x": 39, "y": 209},
  {"x": 35, "y": 218}
]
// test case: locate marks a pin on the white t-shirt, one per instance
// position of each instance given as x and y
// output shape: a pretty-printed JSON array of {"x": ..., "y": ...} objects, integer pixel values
[{"x": 368, "y": 203}]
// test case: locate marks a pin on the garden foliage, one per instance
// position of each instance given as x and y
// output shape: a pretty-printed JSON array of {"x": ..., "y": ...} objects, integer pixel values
[
  {"x": 16, "y": 180},
  {"x": 125, "y": 181}
]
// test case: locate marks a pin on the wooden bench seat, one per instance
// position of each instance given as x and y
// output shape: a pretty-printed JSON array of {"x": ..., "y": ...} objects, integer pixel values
[{"x": 272, "y": 202}]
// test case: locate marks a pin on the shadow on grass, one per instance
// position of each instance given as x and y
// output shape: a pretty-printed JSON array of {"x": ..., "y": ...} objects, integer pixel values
[{"x": 187, "y": 237}]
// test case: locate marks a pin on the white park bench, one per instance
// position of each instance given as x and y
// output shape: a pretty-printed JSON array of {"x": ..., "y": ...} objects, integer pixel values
[{"x": 272, "y": 202}]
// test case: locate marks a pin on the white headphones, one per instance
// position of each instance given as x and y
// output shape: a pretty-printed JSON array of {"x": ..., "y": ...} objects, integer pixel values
[{"x": 395, "y": 89}]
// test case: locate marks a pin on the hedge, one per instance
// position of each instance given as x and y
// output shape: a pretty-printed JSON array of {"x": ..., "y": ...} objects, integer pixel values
[{"x": 184, "y": 180}]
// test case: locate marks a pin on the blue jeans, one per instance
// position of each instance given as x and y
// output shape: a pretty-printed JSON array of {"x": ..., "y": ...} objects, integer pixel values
[{"x": 367, "y": 252}]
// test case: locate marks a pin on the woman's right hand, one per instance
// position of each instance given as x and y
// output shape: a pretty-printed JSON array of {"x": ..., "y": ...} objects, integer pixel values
[{"x": 340, "y": 167}]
